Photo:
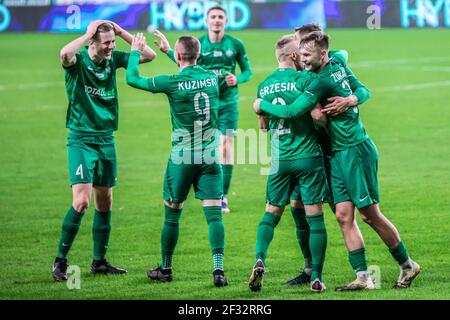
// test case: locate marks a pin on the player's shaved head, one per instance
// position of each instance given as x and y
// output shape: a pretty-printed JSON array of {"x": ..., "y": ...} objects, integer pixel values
[
  {"x": 103, "y": 28},
  {"x": 285, "y": 47},
  {"x": 303, "y": 30},
  {"x": 188, "y": 47},
  {"x": 316, "y": 39}
]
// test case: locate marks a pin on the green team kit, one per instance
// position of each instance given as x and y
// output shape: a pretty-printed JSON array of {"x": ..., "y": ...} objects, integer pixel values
[
  {"x": 221, "y": 58},
  {"x": 193, "y": 97},
  {"x": 354, "y": 159},
  {"x": 194, "y": 101},
  {"x": 296, "y": 155},
  {"x": 92, "y": 116}
]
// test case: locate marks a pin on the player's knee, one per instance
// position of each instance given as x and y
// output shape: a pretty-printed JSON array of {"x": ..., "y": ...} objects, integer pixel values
[
  {"x": 297, "y": 204},
  {"x": 343, "y": 217},
  {"x": 366, "y": 219},
  {"x": 278, "y": 211},
  {"x": 173, "y": 205},
  {"x": 81, "y": 205},
  {"x": 104, "y": 203}
]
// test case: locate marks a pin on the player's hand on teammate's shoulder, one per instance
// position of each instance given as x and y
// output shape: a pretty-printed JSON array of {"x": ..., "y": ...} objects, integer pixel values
[
  {"x": 139, "y": 42},
  {"x": 256, "y": 106},
  {"x": 231, "y": 79},
  {"x": 164, "y": 44}
]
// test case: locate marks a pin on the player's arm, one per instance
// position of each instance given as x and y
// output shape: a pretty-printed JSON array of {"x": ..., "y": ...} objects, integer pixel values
[
  {"x": 244, "y": 64},
  {"x": 154, "y": 84},
  {"x": 68, "y": 52},
  {"x": 263, "y": 119},
  {"x": 164, "y": 45},
  {"x": 361, "y": 92},
  {"x": 341, "y": 55},
  {"x": 318, "y": 116},
  {"x": 360, "y": 95},
  {"x": 147, "y": 53},
  {"x": 304, "y": 103}
]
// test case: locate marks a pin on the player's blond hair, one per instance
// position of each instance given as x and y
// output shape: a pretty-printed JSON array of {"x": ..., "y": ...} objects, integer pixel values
[
  {"x": 285, "y": 46},
  {"x": 318, "y": 39},
  {"x": 303, "y": 30}
]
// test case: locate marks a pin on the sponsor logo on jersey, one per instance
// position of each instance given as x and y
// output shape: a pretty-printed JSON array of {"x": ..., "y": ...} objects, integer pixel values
[
  {"x": 217, "y": 54},
  {"x": 100, "y": 92}
]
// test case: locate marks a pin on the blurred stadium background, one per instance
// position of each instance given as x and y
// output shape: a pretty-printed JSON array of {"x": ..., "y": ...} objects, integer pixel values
[{"x": 399, "y": 48}]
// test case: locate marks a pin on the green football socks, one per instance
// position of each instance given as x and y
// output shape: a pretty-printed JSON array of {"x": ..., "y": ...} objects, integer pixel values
[
  {"x": 302, "y": 232},
  {"x": 317, "y": 243},
  {"x": 400, "y": 253},
  {"x": 357, "y": 259},
  {"x": 169, "y": 235},
  {"x": 70, "y": 227},
  {"x": 216, "y": 234},
  {"x": 101, "y": 230},
  {"x": 264, "y": 235}
]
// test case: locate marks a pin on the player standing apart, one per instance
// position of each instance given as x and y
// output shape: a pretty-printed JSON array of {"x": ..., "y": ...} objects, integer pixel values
[{"x": 92, "y": 116}]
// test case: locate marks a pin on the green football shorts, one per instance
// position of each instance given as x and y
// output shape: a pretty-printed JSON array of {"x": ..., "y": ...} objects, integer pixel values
[
  {"x": 228, "y": 118},
  {"x": 206, "y": 179},
  {"x": 306, "y": 174},
  {"x": 327, "y": 168},
  {"x": 354, "y": 175},
  {"x": 92, "y": 159}
]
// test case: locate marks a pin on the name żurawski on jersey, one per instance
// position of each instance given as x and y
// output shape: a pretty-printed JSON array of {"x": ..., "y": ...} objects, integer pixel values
[
  {"x": 342, "y": 75},
  {"x": 197, "y": 84},
  {"x": 277, "y": 87},
  {"x": 100, "y": 92}
]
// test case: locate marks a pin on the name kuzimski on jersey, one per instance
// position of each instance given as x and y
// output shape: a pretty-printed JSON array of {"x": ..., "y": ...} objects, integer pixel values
[
  {"x": 277, "y": 87},
  {"x": 197, "y": 84}
]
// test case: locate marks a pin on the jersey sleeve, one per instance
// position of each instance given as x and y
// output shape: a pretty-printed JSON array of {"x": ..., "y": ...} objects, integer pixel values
[
  {"x": 171, "y": 55},
  {"x": 358, "y": 88},
  {"x": 304, "y": 103},
  {"x": 153, "y": 84},
  {"x": 121, "y": 58},
  {"x": 73, "y": 68},
  {"x": 244, "y": 63},
  {"x": 339, "y": 55}
]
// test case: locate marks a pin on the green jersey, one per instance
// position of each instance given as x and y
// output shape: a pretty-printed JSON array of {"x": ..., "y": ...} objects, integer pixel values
[
  {"x": 335, "y": 79},
  {"x": 222, "y": 57},
  {"x": 194, "y": 102},
  {"x": 92, "y": 93},
  {"x": 290, "y": 138}
]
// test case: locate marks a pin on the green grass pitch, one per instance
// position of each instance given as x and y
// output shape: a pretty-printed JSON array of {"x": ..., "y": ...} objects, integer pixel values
[{"x": 408, "y": 117}]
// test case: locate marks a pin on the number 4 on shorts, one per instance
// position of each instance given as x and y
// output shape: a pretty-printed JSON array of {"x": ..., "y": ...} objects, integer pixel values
[{"x": 80, "y": 171}]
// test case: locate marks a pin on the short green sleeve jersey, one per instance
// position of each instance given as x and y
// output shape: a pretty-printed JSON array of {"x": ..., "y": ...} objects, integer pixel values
[
  {"x": 222, "y": 57},
  {"x": 92, "y": 93},
  {"x": 290, "y": 138},
  {"x": 346, "y": 129},
  {"x": 194, "y": 103}
]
